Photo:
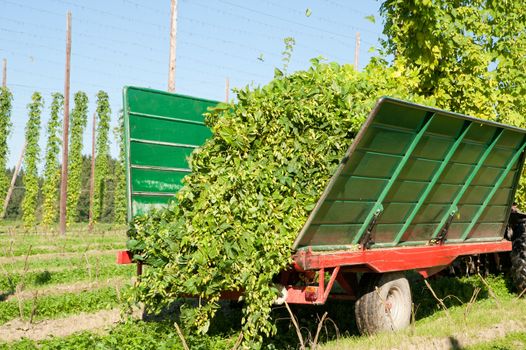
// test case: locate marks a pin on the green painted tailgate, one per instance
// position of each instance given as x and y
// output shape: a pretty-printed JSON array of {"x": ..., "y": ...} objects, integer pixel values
[
  {"x": 416, "y": 175},
  {"x": 161, "y": 131}
]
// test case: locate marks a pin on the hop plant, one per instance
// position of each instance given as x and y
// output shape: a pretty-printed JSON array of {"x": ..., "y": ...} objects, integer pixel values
[
  {"x": 52, "y": 165},
  {"x": 31, "y": 159},
  {"x": 102, "y": 154},
  {"x": 6, "y": 99},
  {"x": 79, "y": 120}
]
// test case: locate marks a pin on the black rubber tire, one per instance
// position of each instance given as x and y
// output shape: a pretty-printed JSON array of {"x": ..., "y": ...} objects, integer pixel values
[
  {"x": 387, "y": 308},
  {"x": 518, "y": 258}
]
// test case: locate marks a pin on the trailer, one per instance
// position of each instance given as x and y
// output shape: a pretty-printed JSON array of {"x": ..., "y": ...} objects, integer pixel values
[{"x": 417, "y": 188}]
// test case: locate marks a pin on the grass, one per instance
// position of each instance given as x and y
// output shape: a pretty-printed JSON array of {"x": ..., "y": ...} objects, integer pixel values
[
  {"x": 464, "y": 324},
  {"x": 60, "y": 262},
  {"x": 71, "y": 238},
  {"x": 59, "y": 248},
  {"x": 15, "y": 242},
  {"x": 55, "y": 306},
  {"x": 130, "y": 335},
  {"x": 84, "y": 272},
  {"x": 460, "y": 324},
  {"x": 512, "y": 341}
]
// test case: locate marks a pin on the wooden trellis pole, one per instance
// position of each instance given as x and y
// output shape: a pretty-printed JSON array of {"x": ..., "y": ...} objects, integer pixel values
[
  {"x": 64, "y": 177},
  {"x": 173, "y": 45}
]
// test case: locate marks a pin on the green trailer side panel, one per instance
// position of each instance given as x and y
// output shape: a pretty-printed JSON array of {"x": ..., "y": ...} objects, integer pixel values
[
  {"x": 161, "y": 131},
  {"x": 415, "y": 173}
]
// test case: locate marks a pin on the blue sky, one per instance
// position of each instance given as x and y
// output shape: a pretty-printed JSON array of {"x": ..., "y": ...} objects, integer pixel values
[{"x": 126, "y": 42}]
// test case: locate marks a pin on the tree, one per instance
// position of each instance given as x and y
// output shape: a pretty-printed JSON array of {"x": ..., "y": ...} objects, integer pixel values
[
  {"x": 31, "y": 159},
  {"x": 5, "y": 128},
  {"x": 79, "y": 119},
  {"x": 102, "y": 154},
  {"x": 469, "y": 56},
  {"x": 52, "y": 165}
]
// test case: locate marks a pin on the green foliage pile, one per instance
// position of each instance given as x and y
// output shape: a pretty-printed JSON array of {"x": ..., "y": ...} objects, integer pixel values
[
  {"x": 31, "y": 159},
  {"x": 6, "y": 99},
  {"x": 79, "y": 119},
  {"x": 51, "y": 179},
  {"x": 102, "y": 154},
  {"x": 252, "y": 187}
]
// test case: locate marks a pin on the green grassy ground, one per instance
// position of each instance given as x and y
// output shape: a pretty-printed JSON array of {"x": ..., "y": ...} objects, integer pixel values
[{"x": 86, "y": 263}]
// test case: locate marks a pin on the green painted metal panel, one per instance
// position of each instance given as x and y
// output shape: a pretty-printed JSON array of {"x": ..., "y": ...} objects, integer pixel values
[
  {"x": 151, "y": 180},
  {"x": 161, "y": 131},
  {"x": 407, "y": 168}
]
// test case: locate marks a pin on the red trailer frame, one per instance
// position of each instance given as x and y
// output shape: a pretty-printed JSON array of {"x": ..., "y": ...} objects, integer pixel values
[{"x": 342, "y": 266}]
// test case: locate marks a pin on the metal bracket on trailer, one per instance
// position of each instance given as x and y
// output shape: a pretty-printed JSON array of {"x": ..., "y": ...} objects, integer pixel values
[
  {"x": 367, "y": 240},
  {"x": 443, "y": 232},
  {"x": 316, "y": 295}
]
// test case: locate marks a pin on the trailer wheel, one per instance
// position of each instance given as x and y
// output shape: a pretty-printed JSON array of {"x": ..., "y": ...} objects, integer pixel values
[
  {"x": 384, "y": 303},
  {"x": 518, "y": 258}
]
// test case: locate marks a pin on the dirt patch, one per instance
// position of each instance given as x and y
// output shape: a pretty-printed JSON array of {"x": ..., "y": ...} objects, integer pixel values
[
  {"x": 76, "y": 287},
  {"x": 9, "y": 259},
  {"x": 464, "y": 339},
  {"x": 17, "y": 329}
]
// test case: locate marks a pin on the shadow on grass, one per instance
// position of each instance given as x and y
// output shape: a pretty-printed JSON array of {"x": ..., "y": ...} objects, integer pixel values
[
  {"x": 454, "y": 344},
  {"x": 453, "y": 291},
  {"x": 5, "y": 295},
  {"x": 227, "y": 321},
  {"x": 340, "y": 314}
]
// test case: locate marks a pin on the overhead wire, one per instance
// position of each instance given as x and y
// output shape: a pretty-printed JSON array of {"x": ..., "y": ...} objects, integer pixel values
[
  {"x": 83, "y": 34},
  {"x": 318, "y": 33},
  {"x": 250, "y": 34},
  {"x": 317, "y": 17},
  {"x": 112, "y": 14},
  {"x": 82, "y": 20},
  {"x": 88, "y": 57},
  {"x": 103, "y": 47}
]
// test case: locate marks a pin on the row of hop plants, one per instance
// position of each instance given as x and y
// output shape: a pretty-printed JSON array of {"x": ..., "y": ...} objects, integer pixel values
[
  {"x": 5, "y": 128},
  {"x": 52, "y": 159}
]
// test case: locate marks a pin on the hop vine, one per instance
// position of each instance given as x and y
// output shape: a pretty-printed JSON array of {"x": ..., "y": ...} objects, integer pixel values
[
  {"x": 31, "y": 159},
  {"x": 52, "y": 164},
  {"x": 102, "y": 154},
  {"x": 120, "y": 177},
  {"x": 6, "y": 99},
  {"x": 79, "y": 119}
]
